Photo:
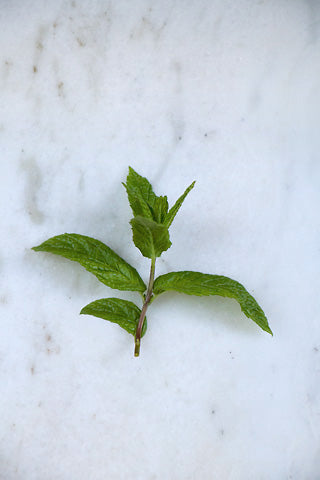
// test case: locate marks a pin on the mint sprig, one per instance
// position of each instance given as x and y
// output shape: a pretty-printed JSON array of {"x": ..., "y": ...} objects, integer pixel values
[{"x": 150, "y": 230}]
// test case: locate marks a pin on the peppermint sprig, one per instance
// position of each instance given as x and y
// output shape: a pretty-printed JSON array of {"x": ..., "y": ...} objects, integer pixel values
[{"x": 150, "y": 231}]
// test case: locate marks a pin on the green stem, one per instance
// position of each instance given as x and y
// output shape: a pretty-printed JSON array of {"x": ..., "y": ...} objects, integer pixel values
[{"x": 144, "y": 309}]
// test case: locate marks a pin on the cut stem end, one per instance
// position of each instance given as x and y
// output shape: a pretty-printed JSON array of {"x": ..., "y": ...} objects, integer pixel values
[{"x": 137, "y": 347}]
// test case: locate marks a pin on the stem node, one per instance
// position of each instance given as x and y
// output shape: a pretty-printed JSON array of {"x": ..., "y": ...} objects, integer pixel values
[{"x": 144, "y": 309}]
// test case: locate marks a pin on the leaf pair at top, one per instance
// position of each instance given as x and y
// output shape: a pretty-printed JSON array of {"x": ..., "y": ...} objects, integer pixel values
[
  {"x": 145, "y": 203},
  {"x": 152, "y": 217}
]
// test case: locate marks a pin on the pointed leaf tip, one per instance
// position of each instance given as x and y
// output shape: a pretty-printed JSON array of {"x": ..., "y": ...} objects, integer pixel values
[
  {"x": 140, "y": 194},
  {"x": 174, "y": 210}
]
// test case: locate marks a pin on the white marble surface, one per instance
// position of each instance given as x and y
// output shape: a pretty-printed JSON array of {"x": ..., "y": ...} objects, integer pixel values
[{"x": 223, "y": 92}]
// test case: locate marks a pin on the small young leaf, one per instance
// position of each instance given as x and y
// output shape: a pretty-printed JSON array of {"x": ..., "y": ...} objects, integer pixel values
[
  {"x": 97, "y": 258},
  {"x": 150, "y": 237},
  {"x": 196, "y": 283},
  {"x": 160, "y": 209},
  {"x": 140, "y": 194},
  {"x": 174, "y": 210},
  {"x": 124, "y": 313}
]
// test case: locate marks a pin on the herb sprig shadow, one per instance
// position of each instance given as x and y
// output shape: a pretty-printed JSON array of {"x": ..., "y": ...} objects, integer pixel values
[{"x": 150, "y": 228}]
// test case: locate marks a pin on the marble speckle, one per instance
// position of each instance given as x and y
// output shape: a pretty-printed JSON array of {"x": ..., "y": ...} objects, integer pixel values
[
  {"x": 33, "y": 175},
  {"x": 4, "y": 299}
]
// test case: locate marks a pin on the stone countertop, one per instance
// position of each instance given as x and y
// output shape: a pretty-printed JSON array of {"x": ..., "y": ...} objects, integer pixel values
[{"x": 225, "y": 93}]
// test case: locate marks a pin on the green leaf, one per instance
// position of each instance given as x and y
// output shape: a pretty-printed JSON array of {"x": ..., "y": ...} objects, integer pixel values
[
  {"x": 143, "y": 201},
  {"x": 140, "y": 194},
  {"x": 160, "y": 209},
  {"x": 124, "y": 313},
  {"x": 150, "y": 237},
  {"x": 174, "y": 210},
  {"x": 196, "y": 283},
  {"x": 97, "y": 258}
]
